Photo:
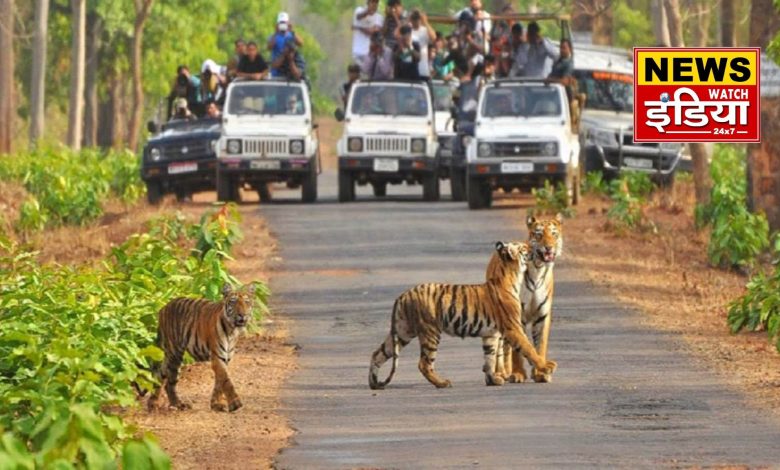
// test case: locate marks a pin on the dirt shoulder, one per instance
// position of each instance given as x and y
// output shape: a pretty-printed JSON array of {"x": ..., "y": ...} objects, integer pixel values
[{"x": 666, "y": 275}]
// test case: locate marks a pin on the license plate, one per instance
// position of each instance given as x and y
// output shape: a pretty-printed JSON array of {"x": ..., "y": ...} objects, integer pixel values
[
  {"x": 185, "y": 167},
  {"x": 517, "y": 167},
  {"x": 638, "y": 162},
  {"x": 265, "y": 165},
  {"x": 386, "y": 165}
]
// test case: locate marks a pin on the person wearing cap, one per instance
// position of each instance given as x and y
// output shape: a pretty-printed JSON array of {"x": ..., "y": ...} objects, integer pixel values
[
  {"x": 482, "y": 22},
  {"x": 423, "y": 34},
  {"x": 395, "y": 17},
  {"x": 182, "y": 111},
  {"x": 407, "y": 56},
  {"x": 252, "y": 66},
  {"x": 353, "y": 75},
  {"x": 212, "y": 81},
  {"x": 378, "y": 64},
  {"x": 541, "y": 53},
  {"x": 366, "y": 21},
  {"x": 281, "y": 39}
]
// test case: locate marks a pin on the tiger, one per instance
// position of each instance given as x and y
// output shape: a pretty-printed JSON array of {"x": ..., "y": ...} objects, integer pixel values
[
  {"x": 487, "y": 310},
  {"x": 545, "y": 237},
  {"x": 207, "y": 331}
]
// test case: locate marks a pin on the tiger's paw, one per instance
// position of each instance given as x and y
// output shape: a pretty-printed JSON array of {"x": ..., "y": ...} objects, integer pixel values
[
  {"x": 516, "y": 378},
  {"x": 444, "y": 384},
  {"x": 234, "y": 405},
  {"x": 493, "y": 380},
  {"x": 544, "y": 375},
  {"x": 181, "y": 406},
  {"x": 218, "y": 406}
]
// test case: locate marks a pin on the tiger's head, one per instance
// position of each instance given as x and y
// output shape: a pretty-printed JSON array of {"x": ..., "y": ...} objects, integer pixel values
[
  {"x": 545, "y": 237},
  {"x": 509, "y": 256},
  {"x": 238, "y": 304}
]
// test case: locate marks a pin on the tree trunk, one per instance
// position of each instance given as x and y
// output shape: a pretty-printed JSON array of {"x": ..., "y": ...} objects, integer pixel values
[
  {"x": 142, "y": 8},
  {"x": 594, "y": 16},
  {"x": 700, "y": 10},
  {"x": 77, "y": 57},
  {"x": 38, "y": 85},
  {"x": 764, "y": 23},
  {"x": 672, "y": 9},
  {"x": 728, "y": 23},
  {"x": 6, "y": 75},
  {"x": 660, "y": 24},
  {"x": 94, "y": 31}
]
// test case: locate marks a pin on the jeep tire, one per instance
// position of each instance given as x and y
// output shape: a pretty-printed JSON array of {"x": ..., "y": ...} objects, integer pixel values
[
  {"x": 153, "y": 192},
  {"x": 309, "y": 186},
  {"x": 346, "y": 187},
  {"x": 431, "y": 187},
  {"x": 264, "y": 192},
  {"x": 479, "y": 194},
  {"x": 458, "y": 184},
  {"x": 227, "y": 190}
]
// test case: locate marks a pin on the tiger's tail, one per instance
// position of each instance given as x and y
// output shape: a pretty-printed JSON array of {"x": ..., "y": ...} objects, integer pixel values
[{"x": 373, "y": 380}]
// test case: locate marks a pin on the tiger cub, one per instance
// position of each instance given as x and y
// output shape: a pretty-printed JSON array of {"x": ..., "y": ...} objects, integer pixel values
[
  {"x": 545, "y": 237},
  {"x": 208, "y": 331},
  {"x": 487, "y": 310}
]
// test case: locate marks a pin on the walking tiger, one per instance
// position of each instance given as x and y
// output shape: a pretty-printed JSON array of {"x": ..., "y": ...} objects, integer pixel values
[{"x": 487, "y": 310}]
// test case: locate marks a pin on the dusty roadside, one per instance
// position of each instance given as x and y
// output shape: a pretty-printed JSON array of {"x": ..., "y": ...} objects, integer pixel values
[{"x": 666, "y": 276}]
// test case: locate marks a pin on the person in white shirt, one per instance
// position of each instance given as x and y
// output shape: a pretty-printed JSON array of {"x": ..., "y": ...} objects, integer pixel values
[
  {"x": 366, "y": 21},
  {"x": 484, "y": 24},
  {"x": 424, "y": 35},
  {"x": 540, "y": 53}
]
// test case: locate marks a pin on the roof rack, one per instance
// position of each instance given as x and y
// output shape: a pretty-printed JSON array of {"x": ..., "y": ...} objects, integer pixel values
[{"x": 450, "y": 19}]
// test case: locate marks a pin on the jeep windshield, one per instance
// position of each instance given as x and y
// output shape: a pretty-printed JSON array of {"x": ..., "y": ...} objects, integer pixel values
[
  {"x": 173, "y": 128},
  {"x": 530, "y": 101},
  {"x": 268, "y": 100},
  {"x": 390, "y": 100},
  {"x": 608, "y": 91}
]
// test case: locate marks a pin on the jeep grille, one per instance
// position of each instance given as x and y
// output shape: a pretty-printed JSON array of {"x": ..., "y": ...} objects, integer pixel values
[
  {"x": 266, "y": 146},
  {"x": 393, "y": 145}
]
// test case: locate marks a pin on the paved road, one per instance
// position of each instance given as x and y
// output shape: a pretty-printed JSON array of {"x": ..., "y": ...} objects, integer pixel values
[{"x": 622, "y": 396}]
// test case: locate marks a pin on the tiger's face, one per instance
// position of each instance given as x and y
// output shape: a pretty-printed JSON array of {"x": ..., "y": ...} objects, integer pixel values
[
  {"x": 238, "y": 304},
  {"x": 545, "y": 237},
  {"x": 515, "y": 253}
]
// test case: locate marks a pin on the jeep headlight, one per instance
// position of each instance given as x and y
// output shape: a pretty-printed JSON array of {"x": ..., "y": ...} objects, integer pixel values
[
  {"x": 155, "y": 154},
  {"x": 550, "y": 149},
  {"x": 296, "y": 147},
  {"x": 418, "y": 145},
  {"x": 355, "y": 144},
  {"x": 234, "y": 146},
  {"x": 484, "y": 149},
  {"x": 602, "y": 138}
]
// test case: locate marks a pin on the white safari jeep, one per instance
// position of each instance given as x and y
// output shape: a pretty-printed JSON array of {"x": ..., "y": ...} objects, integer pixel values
[
  {"x": 389, "y": 137},
  {"x": 523, "y": 136},
  {"x": 268, "y": 136}
]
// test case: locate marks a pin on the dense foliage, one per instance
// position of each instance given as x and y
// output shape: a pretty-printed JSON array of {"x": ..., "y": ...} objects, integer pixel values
[
  {"x": 551, "y": 200},
  {"x": 738, "y": 236},
  {"x": 69, "y": 188},
  {"x": 73, "y": 340}
]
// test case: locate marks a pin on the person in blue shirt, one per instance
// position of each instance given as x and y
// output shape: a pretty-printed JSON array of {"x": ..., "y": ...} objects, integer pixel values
[{"x": 279, "y": 41}]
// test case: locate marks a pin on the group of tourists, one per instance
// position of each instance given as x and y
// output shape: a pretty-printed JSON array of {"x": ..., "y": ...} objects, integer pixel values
[{"x": 202, "y": 95}]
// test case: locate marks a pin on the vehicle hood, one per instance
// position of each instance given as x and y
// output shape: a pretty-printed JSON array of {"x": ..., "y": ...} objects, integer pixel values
[
  {"x": 387, "y": 126},
  {"x": 530, "y": 129},
  {"x": 606, "y": 119},
  {"x": 245, "y": 125},
  {"x": 180, "y": 138}
]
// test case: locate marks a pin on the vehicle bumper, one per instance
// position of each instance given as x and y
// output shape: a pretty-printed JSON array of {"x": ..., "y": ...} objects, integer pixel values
[
  {"x": 271, "y": 169},
  {"x": 406, "y": 166},
  {"x": 614, "y": 159},
  {"x": 498, "y": 176},
  {"x": 161, "y": 172}
]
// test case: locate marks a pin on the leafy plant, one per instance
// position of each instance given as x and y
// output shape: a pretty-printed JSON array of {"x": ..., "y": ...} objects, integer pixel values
[
  {"x": 627, "y": 211},
  {"x": 595, "y": 184},
  {"x": 73, "y": 340},
  {"x": 552, "y": 200},
  {"x": 738, "y": 236},
  {"x": 759, "y": 307},
  {"x": 637, "y": 183}
]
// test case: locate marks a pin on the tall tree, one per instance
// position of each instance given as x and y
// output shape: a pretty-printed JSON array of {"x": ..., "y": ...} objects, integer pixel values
[
  {"x": 38, "y": 85},
  {"x": 77, "y": 59},
  {"x": 699, "y": 153},
  {"x": 764, "y": 23},
  {"x": 728, "y": 23},
  {"x": 660, "y": 24},
  {"x": 142, "y": 9},
  {"x": 94, "y": 33},
  {"x": 594, "y": 16},
  {"x": 6, "y": 74}
]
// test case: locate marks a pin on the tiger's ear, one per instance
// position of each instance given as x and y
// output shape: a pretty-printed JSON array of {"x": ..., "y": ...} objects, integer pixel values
[
  {"x": 530, "y": 220},
  {"x": 500, "y": 246},
  {"x": 559, "y": 218},
  {"x": 250, "y": 289},
  {"x": 226, "y": 289}
]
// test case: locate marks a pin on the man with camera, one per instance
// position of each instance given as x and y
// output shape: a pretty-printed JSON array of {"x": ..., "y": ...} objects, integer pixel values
[
  {"x": 378, "y": 64},
  {"x": 282, "y": 42},
  {"x": 407, "y": 56},
  {"x": 366, "y": 21},
  {"x": 252, "y": 66},
  {"x": 185, "y": 86},
  {"x": 290, "y": 63}
]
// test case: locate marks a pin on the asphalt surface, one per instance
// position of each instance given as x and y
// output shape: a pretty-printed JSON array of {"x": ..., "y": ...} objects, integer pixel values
[{"x": 623, "y": 395}]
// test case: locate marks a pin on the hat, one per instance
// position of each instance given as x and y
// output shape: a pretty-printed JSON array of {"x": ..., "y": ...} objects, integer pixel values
[
  {"x": 283, "y": 17},
  {"x": 211, "y": 66},
  {"x": 180, "y": 103}
]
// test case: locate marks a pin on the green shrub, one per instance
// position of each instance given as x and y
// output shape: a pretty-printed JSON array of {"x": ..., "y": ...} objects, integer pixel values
[
  {"x": 637, "y": 183},
  {"x": 738, "y": 236},
  {"x": 73, "y": 340},
  {"x": 69, "y": 188},
  {"x": 595, "y": 184},
  {"x": 552, "y": 200},
  {"x": 759, "y": 307}
]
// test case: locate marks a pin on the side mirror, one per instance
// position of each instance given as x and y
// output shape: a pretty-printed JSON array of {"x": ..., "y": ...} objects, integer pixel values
[
  {"x": 339, "y": 115},
  {"x": 152, "y": 127}
]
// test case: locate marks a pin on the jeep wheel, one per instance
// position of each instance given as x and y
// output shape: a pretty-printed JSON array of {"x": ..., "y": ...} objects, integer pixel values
[
  {"x": 479, "y": 194},
  {"x": 431, "y": 187},
  {"x": 264, "y": 192},
  {"x": 184, "y": 196},
  {"x": 226, "y": 190},
  {"x": 346, "y": 187},
  {"x": 153, "y": 193},
  {"x": 380, "y": 188},
  {"x": 458, "y": 185},
  {"x": 309, "y": 186}
]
